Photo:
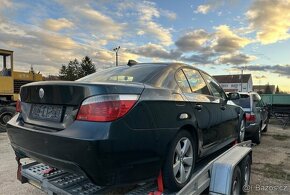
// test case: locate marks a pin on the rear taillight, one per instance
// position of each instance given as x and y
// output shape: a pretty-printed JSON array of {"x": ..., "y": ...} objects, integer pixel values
[
  {"x": 106, "y": 107},
  {"x": 250, "y": 117},
  {"x": 18, "y": 106}
]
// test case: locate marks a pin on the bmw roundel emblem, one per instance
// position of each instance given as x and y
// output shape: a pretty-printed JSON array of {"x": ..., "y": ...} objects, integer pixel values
[{"x": 41, "y": 93}]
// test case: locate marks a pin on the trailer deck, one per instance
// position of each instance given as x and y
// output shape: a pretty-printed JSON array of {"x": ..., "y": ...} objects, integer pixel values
[{"x": 213, "y": 173}]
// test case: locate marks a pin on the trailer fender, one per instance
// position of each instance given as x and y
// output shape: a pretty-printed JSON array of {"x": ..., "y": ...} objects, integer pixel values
[{"x": 223, "y": 168}]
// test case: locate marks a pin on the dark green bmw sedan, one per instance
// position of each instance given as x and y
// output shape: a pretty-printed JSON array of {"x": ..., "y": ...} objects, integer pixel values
[{"x": 126, "y": 124}]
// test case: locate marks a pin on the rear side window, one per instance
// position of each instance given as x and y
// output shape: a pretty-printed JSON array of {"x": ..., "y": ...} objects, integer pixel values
[
  {"x": 214, "y": 86},
  {"x": 196, "y": 81},
  {"x": 244, "y": 101},
  {"x": 137, "y": 73},
  {"x": 182, "y": 82}
]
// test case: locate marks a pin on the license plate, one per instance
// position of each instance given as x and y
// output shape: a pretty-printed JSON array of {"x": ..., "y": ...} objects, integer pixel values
[{"x": 46, "y": 112}]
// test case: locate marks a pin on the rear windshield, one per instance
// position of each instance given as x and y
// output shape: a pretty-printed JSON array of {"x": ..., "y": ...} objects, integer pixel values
[
  {"x": 137, "y": 73},
  {"x": 244, "y": 101}
]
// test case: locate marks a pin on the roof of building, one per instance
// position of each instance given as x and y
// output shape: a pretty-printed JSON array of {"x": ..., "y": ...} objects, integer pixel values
[{"x": 235, "y": 78}]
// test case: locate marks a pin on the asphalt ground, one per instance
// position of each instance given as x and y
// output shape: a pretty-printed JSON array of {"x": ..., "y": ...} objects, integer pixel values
[{"x": 270, "y": 168}]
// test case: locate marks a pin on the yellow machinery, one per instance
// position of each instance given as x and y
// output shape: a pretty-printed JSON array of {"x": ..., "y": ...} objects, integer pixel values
[{"x": 10, "y": 83}]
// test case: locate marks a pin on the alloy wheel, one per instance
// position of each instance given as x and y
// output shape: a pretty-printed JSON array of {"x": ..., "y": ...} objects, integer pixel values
[{"x": 183, "y": 160}]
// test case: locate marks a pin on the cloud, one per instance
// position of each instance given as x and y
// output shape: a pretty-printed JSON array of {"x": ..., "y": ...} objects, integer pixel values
[
  {"x": 221, "y": 46},
  {"x": 270, "y": 19},
  {"x": 55, "y": 40},
  {"x": 192, "y": 41},
  {"x": 204, "y": 58},
  {"x": 203, "y": 9},
  {"x": 6, "y": 4},
  {"x": 168, "y": 14},
  {"x": 155, "y": 51},
  {"x": 57, "y": 24},
  {"x": 283, "y": 70},
  {"x": 235, "y": 59},
  {"x": 101, "y": 23},
  {"x": 260, "y": 77},
  {"x": 225, "y": 40},
  {"x": 147, "y": 13},
  {"x": 211, "y": 5}
]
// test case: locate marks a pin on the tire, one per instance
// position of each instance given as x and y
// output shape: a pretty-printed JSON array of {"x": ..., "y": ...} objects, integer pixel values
[
  {"x": 245, "y": 173},
  {"x": 266, "y": 128},
  {"x": 236, "y": 183},
  {"x": 257, "y": 136},
  {"x": 176, "y": 178},
  {"x": 6, "y": 113},
  {"x": 242, "y": 131}
]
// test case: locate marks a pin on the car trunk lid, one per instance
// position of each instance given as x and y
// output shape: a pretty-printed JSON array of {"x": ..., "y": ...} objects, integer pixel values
[{"x": 54, "y": 104}]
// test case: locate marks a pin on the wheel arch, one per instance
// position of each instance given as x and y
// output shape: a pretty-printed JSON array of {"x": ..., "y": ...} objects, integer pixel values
[{"x": 194, "y": 133}]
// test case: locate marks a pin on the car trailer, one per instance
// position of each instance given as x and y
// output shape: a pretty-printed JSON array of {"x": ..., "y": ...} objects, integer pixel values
[
  {"x": 282, "y": 114},
  {"x": 225, "y": 173},
  {"x": 279, "y": 107}
]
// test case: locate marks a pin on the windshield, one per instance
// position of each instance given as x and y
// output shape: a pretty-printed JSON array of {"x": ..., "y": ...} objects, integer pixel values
[
  {"x": 244, "y": 101},
  {"x": 137, "y": 73}
]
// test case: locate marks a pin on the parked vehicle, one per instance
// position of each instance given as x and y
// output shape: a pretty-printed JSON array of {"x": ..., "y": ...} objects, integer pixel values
[
  {"x": 125, "y": 124},
  {"x": 256, "y": 114}
]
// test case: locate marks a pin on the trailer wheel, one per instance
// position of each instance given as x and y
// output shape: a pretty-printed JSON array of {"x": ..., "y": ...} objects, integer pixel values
[
  {"x": 246, "y": 173},
  {"x": 180, "y": 161},
  {"x": 236, "y": 181},
  {"x": 6, "y": 113}
]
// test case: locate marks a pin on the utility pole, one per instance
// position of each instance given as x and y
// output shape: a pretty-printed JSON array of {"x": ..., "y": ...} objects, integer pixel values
[
  {"x": 116, "y": 50},
  {"x": 242, "y": 79}
]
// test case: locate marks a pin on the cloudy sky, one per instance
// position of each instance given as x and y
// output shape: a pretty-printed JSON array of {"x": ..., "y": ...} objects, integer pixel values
[{"x": 218, "y": 36}]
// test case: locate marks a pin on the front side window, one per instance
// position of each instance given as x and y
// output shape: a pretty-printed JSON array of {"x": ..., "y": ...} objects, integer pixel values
[
  {"x": 182, "y": 82},
  {"x": 196, "y": 81},
  {"x": 214, "y": 86}
]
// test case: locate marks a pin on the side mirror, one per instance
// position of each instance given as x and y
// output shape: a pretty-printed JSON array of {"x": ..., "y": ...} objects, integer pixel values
[{"x": 233, "y": 96}]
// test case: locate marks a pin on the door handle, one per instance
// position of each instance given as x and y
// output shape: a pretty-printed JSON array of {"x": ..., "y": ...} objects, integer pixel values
[
  {"x": 223, "y": 107},
  {"x": 198, "y": 107}
]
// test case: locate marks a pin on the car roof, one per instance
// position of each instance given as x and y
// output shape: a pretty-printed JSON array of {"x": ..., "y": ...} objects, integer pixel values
[{"x": 170, "y": 65}]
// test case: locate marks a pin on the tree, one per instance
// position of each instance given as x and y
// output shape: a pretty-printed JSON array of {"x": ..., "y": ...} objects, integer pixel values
[
  {"x": 87, "y": 67},
  {"x": 277, "y": 90},
  {"x": 74, "y": 70},
  {"x": 268, "y": 89}
]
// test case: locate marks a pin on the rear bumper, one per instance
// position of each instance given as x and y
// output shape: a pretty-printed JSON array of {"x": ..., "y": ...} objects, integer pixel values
[
  {"x": 251, "y": 129},
  {"x": 89, "y": 149}
]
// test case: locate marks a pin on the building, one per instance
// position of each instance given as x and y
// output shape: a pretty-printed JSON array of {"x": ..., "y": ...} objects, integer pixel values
[
  {"x": 235, "y": 83},
  {"x": 263, "y": 88}
]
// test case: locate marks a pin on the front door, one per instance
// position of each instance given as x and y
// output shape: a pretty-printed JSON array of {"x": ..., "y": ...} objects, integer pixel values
[
  {"x": 225, "y": 117},
  {"x": 203, "y": 109}
]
